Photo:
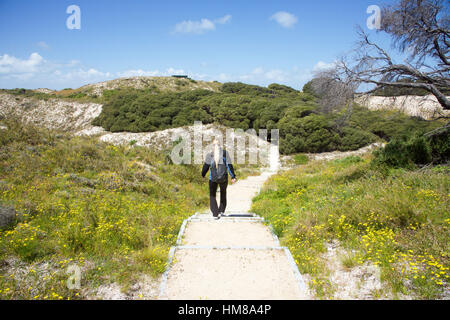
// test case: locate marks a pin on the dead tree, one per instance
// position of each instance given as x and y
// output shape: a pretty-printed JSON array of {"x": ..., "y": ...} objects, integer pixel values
[
  {"x": 420, "y": 30},
  {"x": 335, "y": 93}
]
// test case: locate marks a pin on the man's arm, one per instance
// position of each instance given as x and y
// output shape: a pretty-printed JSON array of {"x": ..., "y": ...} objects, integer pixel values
[
  {"x": 206, "y": 165},
  {"x": 205, "y": 169},
  {"x": 230, "y": 166}
]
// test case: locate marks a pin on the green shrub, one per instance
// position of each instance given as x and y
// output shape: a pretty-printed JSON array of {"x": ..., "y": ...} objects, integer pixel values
[
  {"x": 308, "y": 88},
  {"x": 312, "y": 133},
  {"x": 401, "y": 153},
  {"x": 389, "y": 125},
  {"x": 301, "y": 159},
  {"x": 348, "y": 160},
  {"x": 419, "y": 150},
  {"x": 394, "y": 154},
  {"x": 440, "y": 146},
  {"x": 353, "y": 139}
]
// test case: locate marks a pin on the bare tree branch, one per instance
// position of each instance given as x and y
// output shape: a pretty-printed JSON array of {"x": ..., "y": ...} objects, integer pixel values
[{"x": 419, "y": 29}]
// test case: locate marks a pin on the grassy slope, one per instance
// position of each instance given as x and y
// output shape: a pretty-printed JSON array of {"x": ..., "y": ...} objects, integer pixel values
[
  {"x": 114, "y": 211},
  {"x": 397, "y": 219},
  {"x": 90, "y": 92}
]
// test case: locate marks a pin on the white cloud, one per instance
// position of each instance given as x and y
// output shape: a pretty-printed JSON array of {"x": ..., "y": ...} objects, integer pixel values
[
  {"x": 223, "y": 77},
  {"x": 285, "y": 19},
  {"x": 150, "y": 73},
  {"x": 172, "y": 71},
  {"x": 261, "y": 75},
  {"x": 196, "y": 27},
  {"x": 200, "y": 27},
  {"x": 73, "y": 63},
  {"x": 35, "y": 71},
  {"x": 257, "y": 71},
  {"x": 89, "y": 74},
  {"x": 43, "y": 45},
  {"x": 224, "y": 19},
  {"x": 276, "y": 75},
  {"x": 13, "y": 65},
  {"x": 138, "y": 73},
  {"x": 321, "y": 66}
]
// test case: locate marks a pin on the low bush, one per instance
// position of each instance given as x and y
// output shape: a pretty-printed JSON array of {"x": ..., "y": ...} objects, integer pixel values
[
  {"x": 417, "y": 150},
  {"x": 300, "y": 159}
]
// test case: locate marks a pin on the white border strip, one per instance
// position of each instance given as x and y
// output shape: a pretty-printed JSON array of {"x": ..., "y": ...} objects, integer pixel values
[
  {"x": 231, "y": 247},
  {"x": 181, "y": 232},
  {"x": 227, "y": 219},
  {"x": 275, "y": 237},
  {"x": 298, "y": 276},
  {"x": 162, "y": 287}
]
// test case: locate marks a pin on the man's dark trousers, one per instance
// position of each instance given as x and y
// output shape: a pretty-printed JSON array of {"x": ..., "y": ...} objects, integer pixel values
[{"x": 212, "y": 197}]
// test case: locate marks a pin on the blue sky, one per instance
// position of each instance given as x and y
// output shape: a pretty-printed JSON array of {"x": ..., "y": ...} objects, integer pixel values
[{"x": 258, "y": 42}]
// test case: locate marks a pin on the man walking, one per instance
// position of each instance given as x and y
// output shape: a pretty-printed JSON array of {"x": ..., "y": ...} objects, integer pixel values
[{"x": 218, "y": 162}]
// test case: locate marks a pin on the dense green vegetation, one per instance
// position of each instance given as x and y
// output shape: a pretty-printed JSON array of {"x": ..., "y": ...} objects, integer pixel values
[
  {"x": 397, "y": 219},
  {"x": 303, "y": 128}
]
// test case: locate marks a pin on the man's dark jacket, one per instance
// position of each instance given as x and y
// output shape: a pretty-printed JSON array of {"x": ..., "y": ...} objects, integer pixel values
[{"x": 219, "y": 174}]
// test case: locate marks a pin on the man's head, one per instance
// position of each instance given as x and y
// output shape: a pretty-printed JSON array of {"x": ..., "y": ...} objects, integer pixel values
[{"x": 217, "y": 141}]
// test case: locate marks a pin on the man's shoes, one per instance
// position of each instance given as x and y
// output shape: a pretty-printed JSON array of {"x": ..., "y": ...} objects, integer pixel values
[{"x": 217, "y": 217}]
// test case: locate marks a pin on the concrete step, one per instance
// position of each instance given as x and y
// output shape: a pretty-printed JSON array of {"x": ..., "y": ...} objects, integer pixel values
[{"x": 228, "y": 232}]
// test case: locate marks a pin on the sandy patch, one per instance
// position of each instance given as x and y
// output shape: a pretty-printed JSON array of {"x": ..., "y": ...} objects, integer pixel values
[
  {"x": 359, "y": 282},
  {"x": 90, "y": 131},
  {"x": 52, "y": 114},
  {"x": 339, "y": 154},
  {"x": 145, "y": 289},
  {"x": 426, "y": 107}
]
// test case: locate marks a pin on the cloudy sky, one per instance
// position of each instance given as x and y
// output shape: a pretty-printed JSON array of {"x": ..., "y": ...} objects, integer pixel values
[{"x": 260, "y": 42}]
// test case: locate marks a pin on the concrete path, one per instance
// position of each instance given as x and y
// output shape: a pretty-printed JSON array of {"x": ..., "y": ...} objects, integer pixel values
[{"x": 232, "y": 258}]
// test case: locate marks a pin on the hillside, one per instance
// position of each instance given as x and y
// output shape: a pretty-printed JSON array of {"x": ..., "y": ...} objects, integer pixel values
[
  {"x": 51, "y": 113},
  {"x": 134, "y": 105},
  {"x": 425, "y": 106},
  {"x": 156, "y": 84}
]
